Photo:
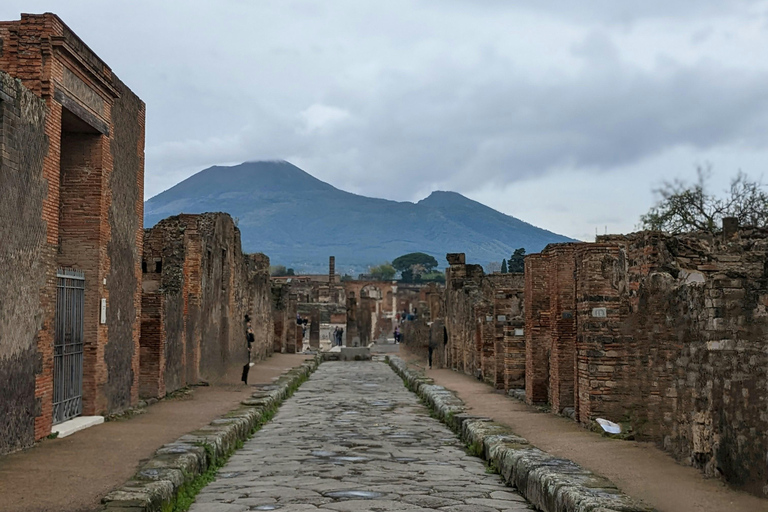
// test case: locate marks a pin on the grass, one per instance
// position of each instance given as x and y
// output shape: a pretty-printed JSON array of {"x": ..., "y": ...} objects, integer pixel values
[{"x": 189, "y": 491}]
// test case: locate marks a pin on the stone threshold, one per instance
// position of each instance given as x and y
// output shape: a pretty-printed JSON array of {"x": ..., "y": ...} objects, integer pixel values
[
  {"x": 550, "y": 483},
  {"x": 157, "y": 482},
  {"x": 69, "y": 427}
]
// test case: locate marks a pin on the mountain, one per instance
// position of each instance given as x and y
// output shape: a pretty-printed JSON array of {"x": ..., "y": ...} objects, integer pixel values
[{"x": 298, "y": 220}]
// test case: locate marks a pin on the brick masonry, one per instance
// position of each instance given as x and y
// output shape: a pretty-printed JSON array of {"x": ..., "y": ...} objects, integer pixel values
[
  {"x": 198, "y": 287},
  {"x": 484, "y": 318},
  {"x": 670, "y": 337},
  {"x": 73, "y": 149}
]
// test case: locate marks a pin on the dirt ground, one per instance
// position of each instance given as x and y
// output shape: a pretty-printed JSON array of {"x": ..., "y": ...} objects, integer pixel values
[
  {"x": 73, "y": 474},
  {"x": 641, "y": 470}
]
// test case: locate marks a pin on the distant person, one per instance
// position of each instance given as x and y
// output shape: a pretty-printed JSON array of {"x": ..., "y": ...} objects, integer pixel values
[
  {"x": 341, "y": 335},
  {"x": 397, "y": 335},
  {"x": 431, "y": 348}
]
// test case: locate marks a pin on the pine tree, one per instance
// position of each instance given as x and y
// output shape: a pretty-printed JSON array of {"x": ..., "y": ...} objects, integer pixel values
[{"x": 504, "y": 266}]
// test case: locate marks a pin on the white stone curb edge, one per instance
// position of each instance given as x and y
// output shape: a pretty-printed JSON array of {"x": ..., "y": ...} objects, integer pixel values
[
  {"x": 157, "y": 482},
  {"x": 549, "y": 483}
]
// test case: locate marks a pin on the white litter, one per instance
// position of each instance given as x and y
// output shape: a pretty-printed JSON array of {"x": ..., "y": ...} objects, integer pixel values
[{"x": 609, "y": 426}]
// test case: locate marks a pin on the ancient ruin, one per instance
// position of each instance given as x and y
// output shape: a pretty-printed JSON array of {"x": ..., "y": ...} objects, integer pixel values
[{"x": 72, "y": 180}]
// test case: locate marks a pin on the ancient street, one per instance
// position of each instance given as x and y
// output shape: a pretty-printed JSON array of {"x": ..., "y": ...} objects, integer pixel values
[{"x": 354, "y": 438}]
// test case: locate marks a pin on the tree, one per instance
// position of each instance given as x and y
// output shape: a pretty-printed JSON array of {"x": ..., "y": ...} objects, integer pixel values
[
  {"x": 504, "y": 266},
  {"x": 383, "y": 272},
  {"x": 412, "y": 265},
  {"x": 685, "y": 207},
  {"x": 433, "y": 277},
  {"x": 516, "y": 262},
  {"x": 290, "y": 272}
]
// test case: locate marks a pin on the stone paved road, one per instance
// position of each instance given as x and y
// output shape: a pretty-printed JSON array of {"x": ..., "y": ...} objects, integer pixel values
[{"x": 353, "y": 438}]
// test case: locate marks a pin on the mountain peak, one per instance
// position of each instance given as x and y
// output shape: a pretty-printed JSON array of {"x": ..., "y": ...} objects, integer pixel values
[{"x": 299, "y": 220}]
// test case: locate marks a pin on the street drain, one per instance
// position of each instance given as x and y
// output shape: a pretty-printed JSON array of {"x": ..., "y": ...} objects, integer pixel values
[{"x": 362, "y": 495}]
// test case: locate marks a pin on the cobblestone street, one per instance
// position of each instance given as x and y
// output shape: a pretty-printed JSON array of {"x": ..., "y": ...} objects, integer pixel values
[{"x": 353, "y": 438}]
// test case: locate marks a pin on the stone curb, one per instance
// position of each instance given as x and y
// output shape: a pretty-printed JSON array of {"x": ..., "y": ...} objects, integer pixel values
[
  {"x": 157, "y": 482},
  {"x": 550, "y": 483}
]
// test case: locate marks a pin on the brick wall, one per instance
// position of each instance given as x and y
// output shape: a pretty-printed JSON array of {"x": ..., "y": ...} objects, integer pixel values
[
  {"x": 670, "y": 341},
  {"x": 200, "y": 286},
  {"x": 91, "y": 170},
  {"x": 537, "y": 334},
  {"x": 26, "y": 314},
  {"x": 484, "y": 316}
]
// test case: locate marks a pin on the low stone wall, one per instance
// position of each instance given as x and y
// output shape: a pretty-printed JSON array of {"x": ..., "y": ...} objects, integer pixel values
[
  {"x": 158, "y": 482},
  {"x": 550, "y": 483}
]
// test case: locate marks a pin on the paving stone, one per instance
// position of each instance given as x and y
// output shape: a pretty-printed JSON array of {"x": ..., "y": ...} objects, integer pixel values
[{"x": 353, "y": 438}]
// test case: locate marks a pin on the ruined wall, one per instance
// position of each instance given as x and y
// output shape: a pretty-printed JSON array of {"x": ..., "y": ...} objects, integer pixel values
[
  {"x": 416, "y": 335},
  {"x": 284, "y": 309},
  {"x": 670, "y": 341},
  {"x": 484, "y": 316},
  {"x": 506, "y": 361},
  {"x": 198, "y": 287},
  {"x": 28, "y": 290},
  {"x": 694, "y": 374},
  {"x": 92, "y": 204},
  {"x": 124, "y": 248}
]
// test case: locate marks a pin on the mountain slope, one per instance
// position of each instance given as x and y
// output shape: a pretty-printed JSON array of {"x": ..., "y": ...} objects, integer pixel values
[{"x": 298, "y": 220}]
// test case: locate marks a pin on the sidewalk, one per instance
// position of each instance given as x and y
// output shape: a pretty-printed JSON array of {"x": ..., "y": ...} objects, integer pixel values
[
  {"x": 72, "y": 474},
  {"x": 640, "y": 470}
]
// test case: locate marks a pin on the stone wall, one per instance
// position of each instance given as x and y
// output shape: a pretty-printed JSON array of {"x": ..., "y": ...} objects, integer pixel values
[
  {"x": 73, "y": 148},
  {"x": 198, "y": 287},
  {"x": 27, "y": 292},
  {"x": 670, "y": 341},
  {"x": 484, "y": 316}
]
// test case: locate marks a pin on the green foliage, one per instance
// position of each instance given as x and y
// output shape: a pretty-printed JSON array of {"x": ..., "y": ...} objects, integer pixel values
[
  {"x": 53, "y": 435},
  {"x": 383, "y": 272},
  {"x": 504, "y": 266},
  {"x": 413, "y": 260},
  {"x": 433, "y": 277},
  {"x": 516, "y": 262},
  {"x": 683, "y": 207},
  {"x": 347, "y": 277}
]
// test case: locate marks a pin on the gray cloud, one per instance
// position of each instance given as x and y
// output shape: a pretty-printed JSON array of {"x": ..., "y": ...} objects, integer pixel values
[{"x": 395, "y": 99}]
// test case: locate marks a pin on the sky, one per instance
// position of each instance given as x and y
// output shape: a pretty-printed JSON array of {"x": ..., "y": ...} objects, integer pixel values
[{"x": 564, "y": 114}]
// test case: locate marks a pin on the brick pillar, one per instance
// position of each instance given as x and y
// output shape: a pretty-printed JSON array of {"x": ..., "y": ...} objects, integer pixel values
[
  {"x": 563, "y": 326},
  {"x": 600, "y": 343},
  {"x": 152, "y": 346},
  {"x": 486, "y": 350},
  {"x": 514, "y": 356},
  {"x": 537, "y": 336}
]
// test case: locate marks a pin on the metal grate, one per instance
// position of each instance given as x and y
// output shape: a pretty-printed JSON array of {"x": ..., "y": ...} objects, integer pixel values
[{"x": 68, "y": 345}]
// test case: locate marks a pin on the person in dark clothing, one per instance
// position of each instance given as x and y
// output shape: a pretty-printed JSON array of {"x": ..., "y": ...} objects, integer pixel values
[{"x": 432, "y": 346}]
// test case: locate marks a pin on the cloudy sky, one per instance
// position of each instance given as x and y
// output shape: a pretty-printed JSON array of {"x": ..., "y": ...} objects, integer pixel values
[{"x": 564, "y": 114}]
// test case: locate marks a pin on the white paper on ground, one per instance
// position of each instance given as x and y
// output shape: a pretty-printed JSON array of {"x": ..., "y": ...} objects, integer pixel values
[{"x": 609, "y": 426}]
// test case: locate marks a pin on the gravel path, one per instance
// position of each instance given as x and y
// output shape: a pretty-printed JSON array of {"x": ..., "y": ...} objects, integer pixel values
[{"x": 353, "y": 438}]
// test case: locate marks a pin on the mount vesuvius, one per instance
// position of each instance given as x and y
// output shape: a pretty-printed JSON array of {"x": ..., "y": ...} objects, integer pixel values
[{"x": 298, "y": 220}]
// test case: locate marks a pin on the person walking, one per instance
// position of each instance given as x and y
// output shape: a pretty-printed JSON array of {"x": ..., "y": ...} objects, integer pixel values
[
  {"x": 397, "y": 335},
  {"x": 432, "y": 345}
]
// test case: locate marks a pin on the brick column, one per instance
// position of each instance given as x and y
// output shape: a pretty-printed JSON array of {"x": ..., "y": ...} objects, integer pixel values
[
  {"x": 563, "y": 326},
  {"x": 537, "y": 336}
]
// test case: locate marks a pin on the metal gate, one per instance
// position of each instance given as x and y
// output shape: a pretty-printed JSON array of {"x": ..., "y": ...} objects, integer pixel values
[{"x": 68, "y": 345}]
